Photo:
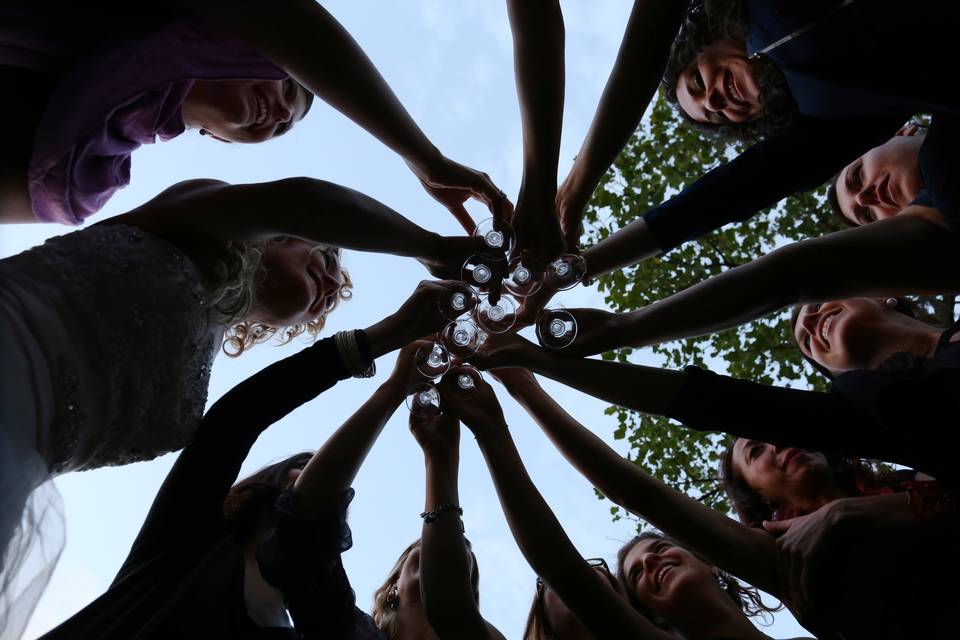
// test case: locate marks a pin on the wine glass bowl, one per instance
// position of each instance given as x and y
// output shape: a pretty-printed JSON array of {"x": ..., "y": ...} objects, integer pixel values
[
  {"x": 432, "y": 360},
  {"x": 556, "y": 328},
  {"x": 524, "y": 276},
  {"x": 468, "y": 378},
  {"x": 499, "y": 317},
  {"x": 565, "y": 272},
  {"x": 423, "y": 399},
  {"x": 461, "y": 338},
  {"x": 479, "y": 271}
]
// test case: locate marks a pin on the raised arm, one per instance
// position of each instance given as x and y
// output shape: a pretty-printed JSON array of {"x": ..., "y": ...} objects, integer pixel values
[
  {"x": 745, "y": 552},
  {"x": 538, "y": 41},
  {"x": 652, "y": 26},
  {"x": 799, "y": 159},
  {"x": 911, "y": 253},
  {"x": 445, "y": 559},
  {"x": 535, "y": 528},
  {"x": 314, "y": 210},
  {"x": 304, "y": 39}
]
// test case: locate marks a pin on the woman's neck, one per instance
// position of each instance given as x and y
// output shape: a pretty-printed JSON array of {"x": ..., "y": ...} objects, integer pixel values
[
  {"x": 414, "y": 624},
  {"x": 920, "y": 341},
  {"x": 719, "y": 617}
]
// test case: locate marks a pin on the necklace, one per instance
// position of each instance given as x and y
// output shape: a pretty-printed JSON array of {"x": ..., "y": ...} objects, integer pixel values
[{"x": 802, "y": 30}]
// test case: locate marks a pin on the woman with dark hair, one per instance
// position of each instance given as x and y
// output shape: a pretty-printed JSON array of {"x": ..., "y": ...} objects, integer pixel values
[
  {"x": 688, "y": 596},
  {"x": 213, "y": 560},
  {"x": 851, "y": 69},
  {"x": 748, "y": 553},
  {"x": 227, "y": 69}
]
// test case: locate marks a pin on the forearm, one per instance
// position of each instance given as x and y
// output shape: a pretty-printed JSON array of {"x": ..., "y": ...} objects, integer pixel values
[
  {"x": 444, "y": 560},
  {"x": 538, "y": 45},
  {"x": 608, "y": 471},
  {"x": 549, "y": 551},
  {"x": 633, "y": 81},
  {"x": 304, "y": 39},
  {"x": 646, "y": 389},
  {"x": 628, "y": 246},
  {"x": 332, "y": 469}
]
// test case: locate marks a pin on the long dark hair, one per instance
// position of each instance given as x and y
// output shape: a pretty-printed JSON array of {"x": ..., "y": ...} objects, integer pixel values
[
  {"x": 252, "y": 497},
  {"x": 747, "y": 599},
  {"x": 707, "y": 22},
  {"x": 852, "y": 476}
]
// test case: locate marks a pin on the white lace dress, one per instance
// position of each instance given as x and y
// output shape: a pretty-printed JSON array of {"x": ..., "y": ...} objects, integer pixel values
[{"x": 105, "y": 352}]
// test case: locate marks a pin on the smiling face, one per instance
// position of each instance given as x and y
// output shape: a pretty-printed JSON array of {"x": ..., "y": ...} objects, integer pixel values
[
  {"x": 844, "y": 335},
  {"x": 720, "y": 86},
  {"x": 247, "y": 111},
  {"x": 882, "y": 182},
  {"x": 667, "y": 579},
  {"x": 302, "y": 283},
  {"x": 792, "y": 480}
]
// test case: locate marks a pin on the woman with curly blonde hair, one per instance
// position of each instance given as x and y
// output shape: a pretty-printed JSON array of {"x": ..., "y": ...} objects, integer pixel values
[{"x": 108, "y": 333}]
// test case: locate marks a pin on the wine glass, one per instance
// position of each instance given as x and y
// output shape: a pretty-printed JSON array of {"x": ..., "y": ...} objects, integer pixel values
[
  {"x": 462, "y": 338},
  {"x": 497, "y": 318},
  {"x": 423, "y": 399},
  {"x": 460, "y": 300},
  {"x": 524, "y": 276},
  {"x": 432, "y": 360},
  {"x": 479, "y": 271},
  {"x": 498, "y": 236},
  {"x": 468, "y": 378},
  {"x": 556, "y": 328},
  {"x": 565, "y": 272}
]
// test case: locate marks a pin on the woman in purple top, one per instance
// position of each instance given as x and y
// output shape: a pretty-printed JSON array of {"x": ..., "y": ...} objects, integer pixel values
[{"x": 86, "y": 108}]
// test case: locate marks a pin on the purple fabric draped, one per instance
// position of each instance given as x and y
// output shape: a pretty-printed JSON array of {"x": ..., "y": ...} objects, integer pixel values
[{"x": 117, "y": 99}]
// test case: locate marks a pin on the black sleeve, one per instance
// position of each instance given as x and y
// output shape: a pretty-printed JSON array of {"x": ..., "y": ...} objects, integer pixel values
[
  {"x": 301, "y": 558},
  {"x": 939, "y": 168},
  {"x": 189, "y": 505},
  {"x": 799, "y": 159},
  {"x": 786, "y": 417}
]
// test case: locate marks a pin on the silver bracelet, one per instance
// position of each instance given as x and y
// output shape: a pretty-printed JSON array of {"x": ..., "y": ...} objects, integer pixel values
[{"x": 350, "y": 355}]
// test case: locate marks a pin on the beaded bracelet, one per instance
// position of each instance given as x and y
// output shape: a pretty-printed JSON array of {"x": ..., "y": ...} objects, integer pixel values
[
  {"x": 350, "y": 354},
  {"x": 429, "y": 517}
]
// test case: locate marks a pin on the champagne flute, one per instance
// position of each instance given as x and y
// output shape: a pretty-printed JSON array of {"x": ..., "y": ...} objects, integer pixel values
[
  {"x": 462, "y": 338},
  {"x": 556, "y": 328},
  {"x": 480, "y": 271},
  {"x": 524, "y": 276},
  {"x": 432, "y": 360},
  {"x": 565, "y": 272},
  {"x": 499, "y": 317},
  {"x": 423, "y": 399}
]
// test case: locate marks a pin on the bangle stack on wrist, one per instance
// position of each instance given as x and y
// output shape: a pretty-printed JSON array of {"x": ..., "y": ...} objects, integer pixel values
[
  {"x": 352, "y": 356},
  {"x": 429, "y": 517}
]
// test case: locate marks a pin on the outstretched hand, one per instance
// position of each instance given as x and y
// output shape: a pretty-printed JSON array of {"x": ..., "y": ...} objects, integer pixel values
[
  {"x": 449, "y": 254},
  {"x": 597, "y": 331},
  {"x": 451, "y": 184},
  {"x": 438, "y": 434},
  {"x": 570, "y": 210},
  {"x": 503, "y": 350},
  {"x": 538, "y": 228},
  {"x": 420, "y": 315},
  {"x": 478, "y": 408},
  {"x": 405, "y": 372}
]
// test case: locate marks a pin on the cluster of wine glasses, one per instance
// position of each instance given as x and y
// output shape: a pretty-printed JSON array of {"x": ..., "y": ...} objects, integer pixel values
[{"x": 472, "y": 316}]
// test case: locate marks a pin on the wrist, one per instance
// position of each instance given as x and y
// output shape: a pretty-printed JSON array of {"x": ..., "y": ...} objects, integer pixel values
[
  {"x": 384, "y": 336},
  {"x": 426, "y": 162}
]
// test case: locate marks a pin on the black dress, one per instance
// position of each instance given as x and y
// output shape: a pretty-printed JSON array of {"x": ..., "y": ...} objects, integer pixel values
[
  {"x": 856, "y": 77},
  {"x": 905, "y": 412},
  {"x": 184, "y": 576}
]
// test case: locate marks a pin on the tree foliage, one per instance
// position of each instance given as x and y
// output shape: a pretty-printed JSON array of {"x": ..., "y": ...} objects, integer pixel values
[{"x": 663, "y": 156}]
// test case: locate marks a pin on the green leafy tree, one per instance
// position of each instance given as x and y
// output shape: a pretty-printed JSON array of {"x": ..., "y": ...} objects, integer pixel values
[{"x": 663, "y": 156}]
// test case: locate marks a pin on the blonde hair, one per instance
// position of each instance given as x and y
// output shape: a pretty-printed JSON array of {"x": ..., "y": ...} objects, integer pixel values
[{"x": 239, "y": 272}]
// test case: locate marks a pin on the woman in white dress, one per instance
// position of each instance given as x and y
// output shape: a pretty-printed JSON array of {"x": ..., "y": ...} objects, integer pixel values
[{"x": 107, "y": 334}]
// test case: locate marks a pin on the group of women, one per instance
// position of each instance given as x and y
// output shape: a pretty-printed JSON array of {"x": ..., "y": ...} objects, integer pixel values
[{"x": 108, "y": 333}]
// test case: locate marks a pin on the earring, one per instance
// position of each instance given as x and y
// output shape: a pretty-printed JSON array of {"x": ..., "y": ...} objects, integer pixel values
[
  {"x": 203, "y": 132},
  {"x": 393, "y": 597},
  {"x": 891, "y": 303}
]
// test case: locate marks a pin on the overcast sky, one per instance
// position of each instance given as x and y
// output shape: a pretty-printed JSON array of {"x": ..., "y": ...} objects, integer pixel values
[{"x": 450, "y": 62}]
